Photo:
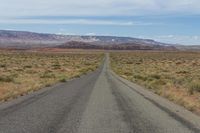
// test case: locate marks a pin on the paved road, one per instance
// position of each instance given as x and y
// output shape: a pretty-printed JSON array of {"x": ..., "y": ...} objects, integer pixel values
[{"x": 95, "y": 103}]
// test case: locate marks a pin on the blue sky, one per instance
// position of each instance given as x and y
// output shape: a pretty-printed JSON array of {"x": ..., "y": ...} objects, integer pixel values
[{"x": 171, "y": 21}]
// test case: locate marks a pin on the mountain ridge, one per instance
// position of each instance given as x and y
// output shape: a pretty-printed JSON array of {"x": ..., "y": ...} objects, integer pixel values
[{"x": 26, "y": 39}]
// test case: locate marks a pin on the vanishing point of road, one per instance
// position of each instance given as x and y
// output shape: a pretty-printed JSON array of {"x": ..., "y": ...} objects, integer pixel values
[{"x": 99, "y": 102}]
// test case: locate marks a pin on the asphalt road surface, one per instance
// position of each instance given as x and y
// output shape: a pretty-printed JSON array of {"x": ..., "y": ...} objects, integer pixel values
[{"x": 99, "y": 102}]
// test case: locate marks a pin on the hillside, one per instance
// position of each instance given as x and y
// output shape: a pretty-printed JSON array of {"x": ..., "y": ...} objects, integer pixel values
[
  {"x": 23, "y": 39},
  {"x": 118, "y": 46}
]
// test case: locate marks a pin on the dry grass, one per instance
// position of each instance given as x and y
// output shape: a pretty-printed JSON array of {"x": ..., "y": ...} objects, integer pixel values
[
  {"x": 174, "y": 75},
  {"x": 23, "y": 72}
]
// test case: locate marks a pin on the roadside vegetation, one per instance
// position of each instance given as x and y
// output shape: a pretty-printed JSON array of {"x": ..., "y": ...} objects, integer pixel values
[
  {"x": 173, "y": 75},
  {"x": 24, "y": 72}
]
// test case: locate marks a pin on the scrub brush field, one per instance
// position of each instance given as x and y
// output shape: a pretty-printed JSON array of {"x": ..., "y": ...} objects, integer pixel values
[
  {"x": 173, "y": 75},
  {"x": 24, "y": 72}
]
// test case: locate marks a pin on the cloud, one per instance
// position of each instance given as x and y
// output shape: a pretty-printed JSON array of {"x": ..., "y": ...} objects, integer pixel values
[
  {"x": 161, "y": 17},
  {"x": 90, "y": 34},
  {"x": 179, "y": 39},
  {"x": 97, "y": 7},
  {"x": 75, "y": 21}
]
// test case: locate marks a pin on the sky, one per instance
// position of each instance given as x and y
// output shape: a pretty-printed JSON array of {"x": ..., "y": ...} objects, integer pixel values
[{"x": 170, "y": 21}]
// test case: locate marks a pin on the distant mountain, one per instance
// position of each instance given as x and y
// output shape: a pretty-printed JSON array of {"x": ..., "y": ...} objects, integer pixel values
[
  {"x": 23, "y": 39},
  {"x": 188, "y": 47},
  {"x": 114, "y": 46}
]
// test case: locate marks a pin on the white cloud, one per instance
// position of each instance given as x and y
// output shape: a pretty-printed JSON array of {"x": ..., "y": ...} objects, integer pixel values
[
  {"x": 90, "y": 34},
  {"x": 196, "y": 37},
  {"x": 74, "y": 21},
  {"x": 10, "y": 10},
  {"x": 97, "y": 7},
  {"x": 179, "y": 39}
]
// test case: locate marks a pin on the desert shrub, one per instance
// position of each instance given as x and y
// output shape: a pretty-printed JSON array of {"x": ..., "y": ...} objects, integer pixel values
[
  {"x": 140, "y": 77},
  {"x": 149, "y": 79},
  {"x": 155, "y": 76},
  {"x": 156, "y": 84},
  {"x": 6, "y": 78},
  {"x": 47, "y": 85},
  {"x": 182, "y": 72},
  {"x": 128, "y": 73},
  {"x": 14, "y": 75},
  {"x": 84, "y": 70},
  {"x": 78, "y": 66},
  {"x": 138, "y": 63},
  {"x": 27, "y": 66},
  {"x": 87, "y": 63},
  {"x": 3, "y": 65},
  {"x": 62, "y": 80},
  {"x": 56, "y": 66},
  {"x": 48, "y": 75},
  {"x": 31, "y": 71},
  {"x": 194, "y": 86},
  {"x": 20, "y": 70},
  {"x": 129, "y": 62}
]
